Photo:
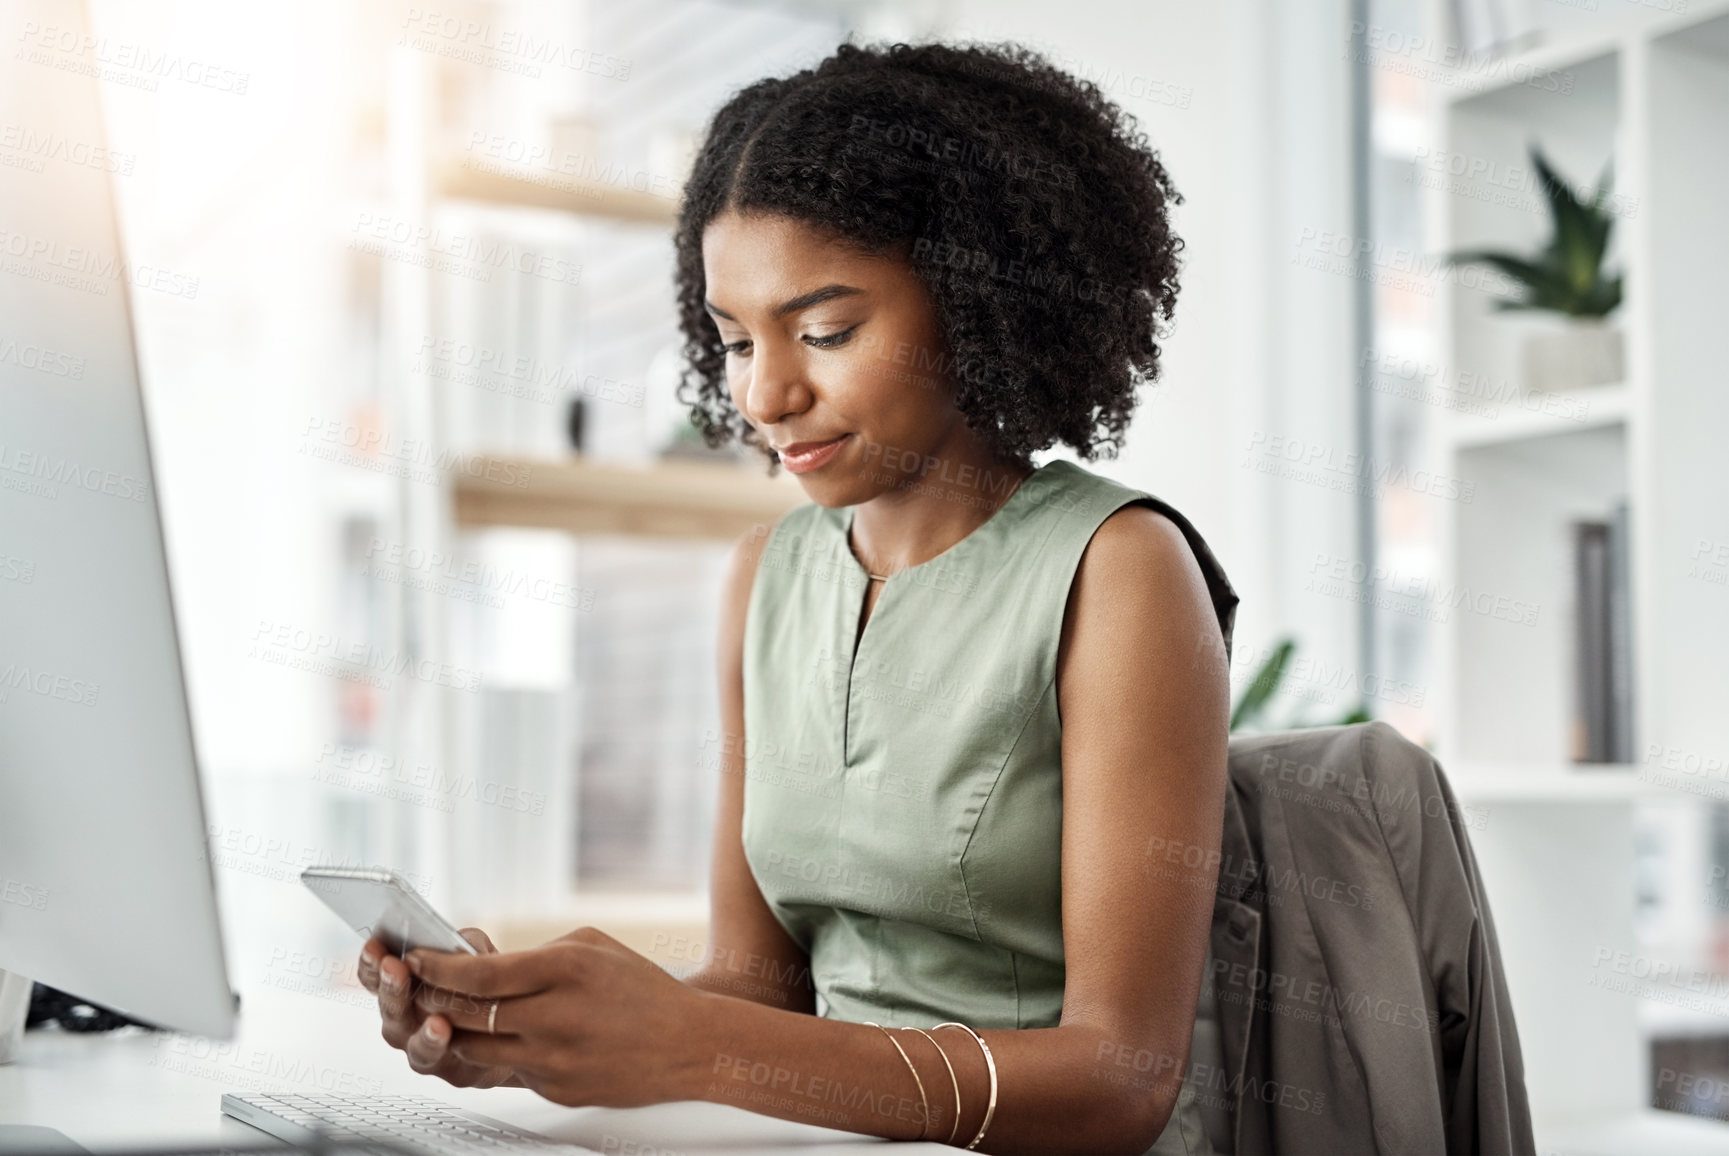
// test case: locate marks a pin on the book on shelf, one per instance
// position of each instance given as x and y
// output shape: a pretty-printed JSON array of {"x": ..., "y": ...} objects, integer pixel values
[
  {"x": 1620, "y": 637},
  {"x": 1602, "y": 641}
]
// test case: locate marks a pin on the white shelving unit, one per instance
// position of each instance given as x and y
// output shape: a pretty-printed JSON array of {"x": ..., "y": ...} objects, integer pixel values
[{"x": 1557, "y": 840}]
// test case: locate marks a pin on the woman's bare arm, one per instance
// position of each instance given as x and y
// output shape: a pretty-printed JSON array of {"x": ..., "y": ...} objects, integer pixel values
[{"x": 749, "y": 954}]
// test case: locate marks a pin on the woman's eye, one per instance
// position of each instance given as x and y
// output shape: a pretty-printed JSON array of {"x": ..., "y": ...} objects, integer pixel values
[
  {"x": 832, "y": 339},
  {"x": 734, "y": 347}
]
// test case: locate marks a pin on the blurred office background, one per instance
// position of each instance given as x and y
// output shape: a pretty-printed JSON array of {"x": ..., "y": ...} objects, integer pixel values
[{"x": 410, "y": 324}]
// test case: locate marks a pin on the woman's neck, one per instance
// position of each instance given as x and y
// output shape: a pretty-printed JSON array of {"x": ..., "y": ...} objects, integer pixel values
[{"x": 953, "y": 492}]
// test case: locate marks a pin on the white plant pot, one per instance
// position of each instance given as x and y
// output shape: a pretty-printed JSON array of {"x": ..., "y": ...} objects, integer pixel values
[
  {"x": 1573, "y": 354},
  {"x": 14, "y": 1008}
]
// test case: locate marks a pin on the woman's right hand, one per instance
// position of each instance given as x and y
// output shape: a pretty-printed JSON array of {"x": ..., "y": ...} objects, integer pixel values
[{"x": 424, "y": 1039}]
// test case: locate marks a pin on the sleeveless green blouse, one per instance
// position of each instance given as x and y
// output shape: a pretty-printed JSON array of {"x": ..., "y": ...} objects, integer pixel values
[{"x": 903, "y": 803}]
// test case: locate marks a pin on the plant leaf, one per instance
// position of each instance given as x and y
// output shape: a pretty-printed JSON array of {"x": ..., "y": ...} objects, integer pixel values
[
  {"x": 1262, "y": 687},
  {"x": 1542, "y": 284}
]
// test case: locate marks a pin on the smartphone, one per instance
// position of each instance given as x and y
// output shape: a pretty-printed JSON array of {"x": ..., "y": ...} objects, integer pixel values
[{"x": 380, "y": 903}]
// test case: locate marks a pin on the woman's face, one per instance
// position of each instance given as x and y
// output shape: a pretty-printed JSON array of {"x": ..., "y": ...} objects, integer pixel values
[{"x": 835, "y": 357}]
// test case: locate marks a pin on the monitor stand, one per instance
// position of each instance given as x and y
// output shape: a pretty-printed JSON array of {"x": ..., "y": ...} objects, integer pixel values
[
  {"x": 14, "y": 1010},
  {"x": 15, "y": 992}
]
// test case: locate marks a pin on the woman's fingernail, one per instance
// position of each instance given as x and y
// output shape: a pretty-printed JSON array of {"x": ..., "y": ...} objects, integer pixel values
[
  {"x": 434, "y": 1032},
  {"x": 414, "y": 962},
  {"x": 390, "y": 981}
]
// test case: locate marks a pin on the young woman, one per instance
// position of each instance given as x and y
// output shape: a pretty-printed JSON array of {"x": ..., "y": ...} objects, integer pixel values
[{"x": 965, "y": 699}]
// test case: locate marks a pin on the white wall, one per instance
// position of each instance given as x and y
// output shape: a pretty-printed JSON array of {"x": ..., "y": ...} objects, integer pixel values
[{"x": 1247, "y": 102}]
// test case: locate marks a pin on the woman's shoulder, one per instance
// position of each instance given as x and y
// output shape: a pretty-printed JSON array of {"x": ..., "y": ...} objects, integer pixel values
[
  {"x": 1137, "y": 538},
  {"x": 792, "y": 531},
  {"x": 1069, "y": 488}
]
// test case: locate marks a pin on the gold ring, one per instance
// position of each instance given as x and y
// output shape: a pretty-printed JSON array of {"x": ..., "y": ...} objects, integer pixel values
[{"x": 492, "y": 1019}]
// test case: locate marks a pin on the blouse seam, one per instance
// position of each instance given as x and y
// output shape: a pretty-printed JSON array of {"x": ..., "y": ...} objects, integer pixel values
[{"x": 961, "y": 861}]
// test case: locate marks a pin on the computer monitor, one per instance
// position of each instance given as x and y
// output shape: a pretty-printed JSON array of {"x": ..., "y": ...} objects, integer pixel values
[{"x": 107, "y": 888}]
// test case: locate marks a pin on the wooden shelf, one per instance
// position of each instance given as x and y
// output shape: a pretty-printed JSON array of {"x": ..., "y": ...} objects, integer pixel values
[
  {"x": 667, "y": 500},
  {"x": 563, "y": 194}
]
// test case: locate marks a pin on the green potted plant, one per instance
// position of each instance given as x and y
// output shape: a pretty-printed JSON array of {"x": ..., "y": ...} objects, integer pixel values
[
  {"x": 1567, "y": 279},
  {"x": 1250, "y": 712}
]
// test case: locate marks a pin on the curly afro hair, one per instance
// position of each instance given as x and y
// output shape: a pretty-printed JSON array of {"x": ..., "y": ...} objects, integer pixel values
[{"x": 1032, "y": 209}]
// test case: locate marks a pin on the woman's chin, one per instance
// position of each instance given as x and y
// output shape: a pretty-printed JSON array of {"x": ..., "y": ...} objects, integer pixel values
[{"x": 830, "y": 494}]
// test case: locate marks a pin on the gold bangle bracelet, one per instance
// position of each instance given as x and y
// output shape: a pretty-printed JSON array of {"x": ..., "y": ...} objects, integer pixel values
[
  {"x": 924, "y": 1101},
  {"x": 956, "y": 1083},
  {"x": 991, "y": 1067}
]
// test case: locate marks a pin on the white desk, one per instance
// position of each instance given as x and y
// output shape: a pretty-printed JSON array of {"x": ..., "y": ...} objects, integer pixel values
[{"x": 135, "y": 1089}]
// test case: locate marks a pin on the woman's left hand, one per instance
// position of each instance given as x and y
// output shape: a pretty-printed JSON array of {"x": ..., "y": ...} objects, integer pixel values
[{"x": 581, "y": 1020}]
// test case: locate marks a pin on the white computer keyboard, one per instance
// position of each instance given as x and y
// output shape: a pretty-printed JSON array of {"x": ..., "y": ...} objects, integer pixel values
[{"x": 399, "y": 1122}]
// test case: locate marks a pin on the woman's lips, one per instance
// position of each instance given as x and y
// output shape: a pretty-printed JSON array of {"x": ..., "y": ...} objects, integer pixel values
[{"x": 804, "y": 457}]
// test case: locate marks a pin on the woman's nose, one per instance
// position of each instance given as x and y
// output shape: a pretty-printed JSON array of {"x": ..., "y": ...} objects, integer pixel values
[{"x": 776, "y": 388}]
